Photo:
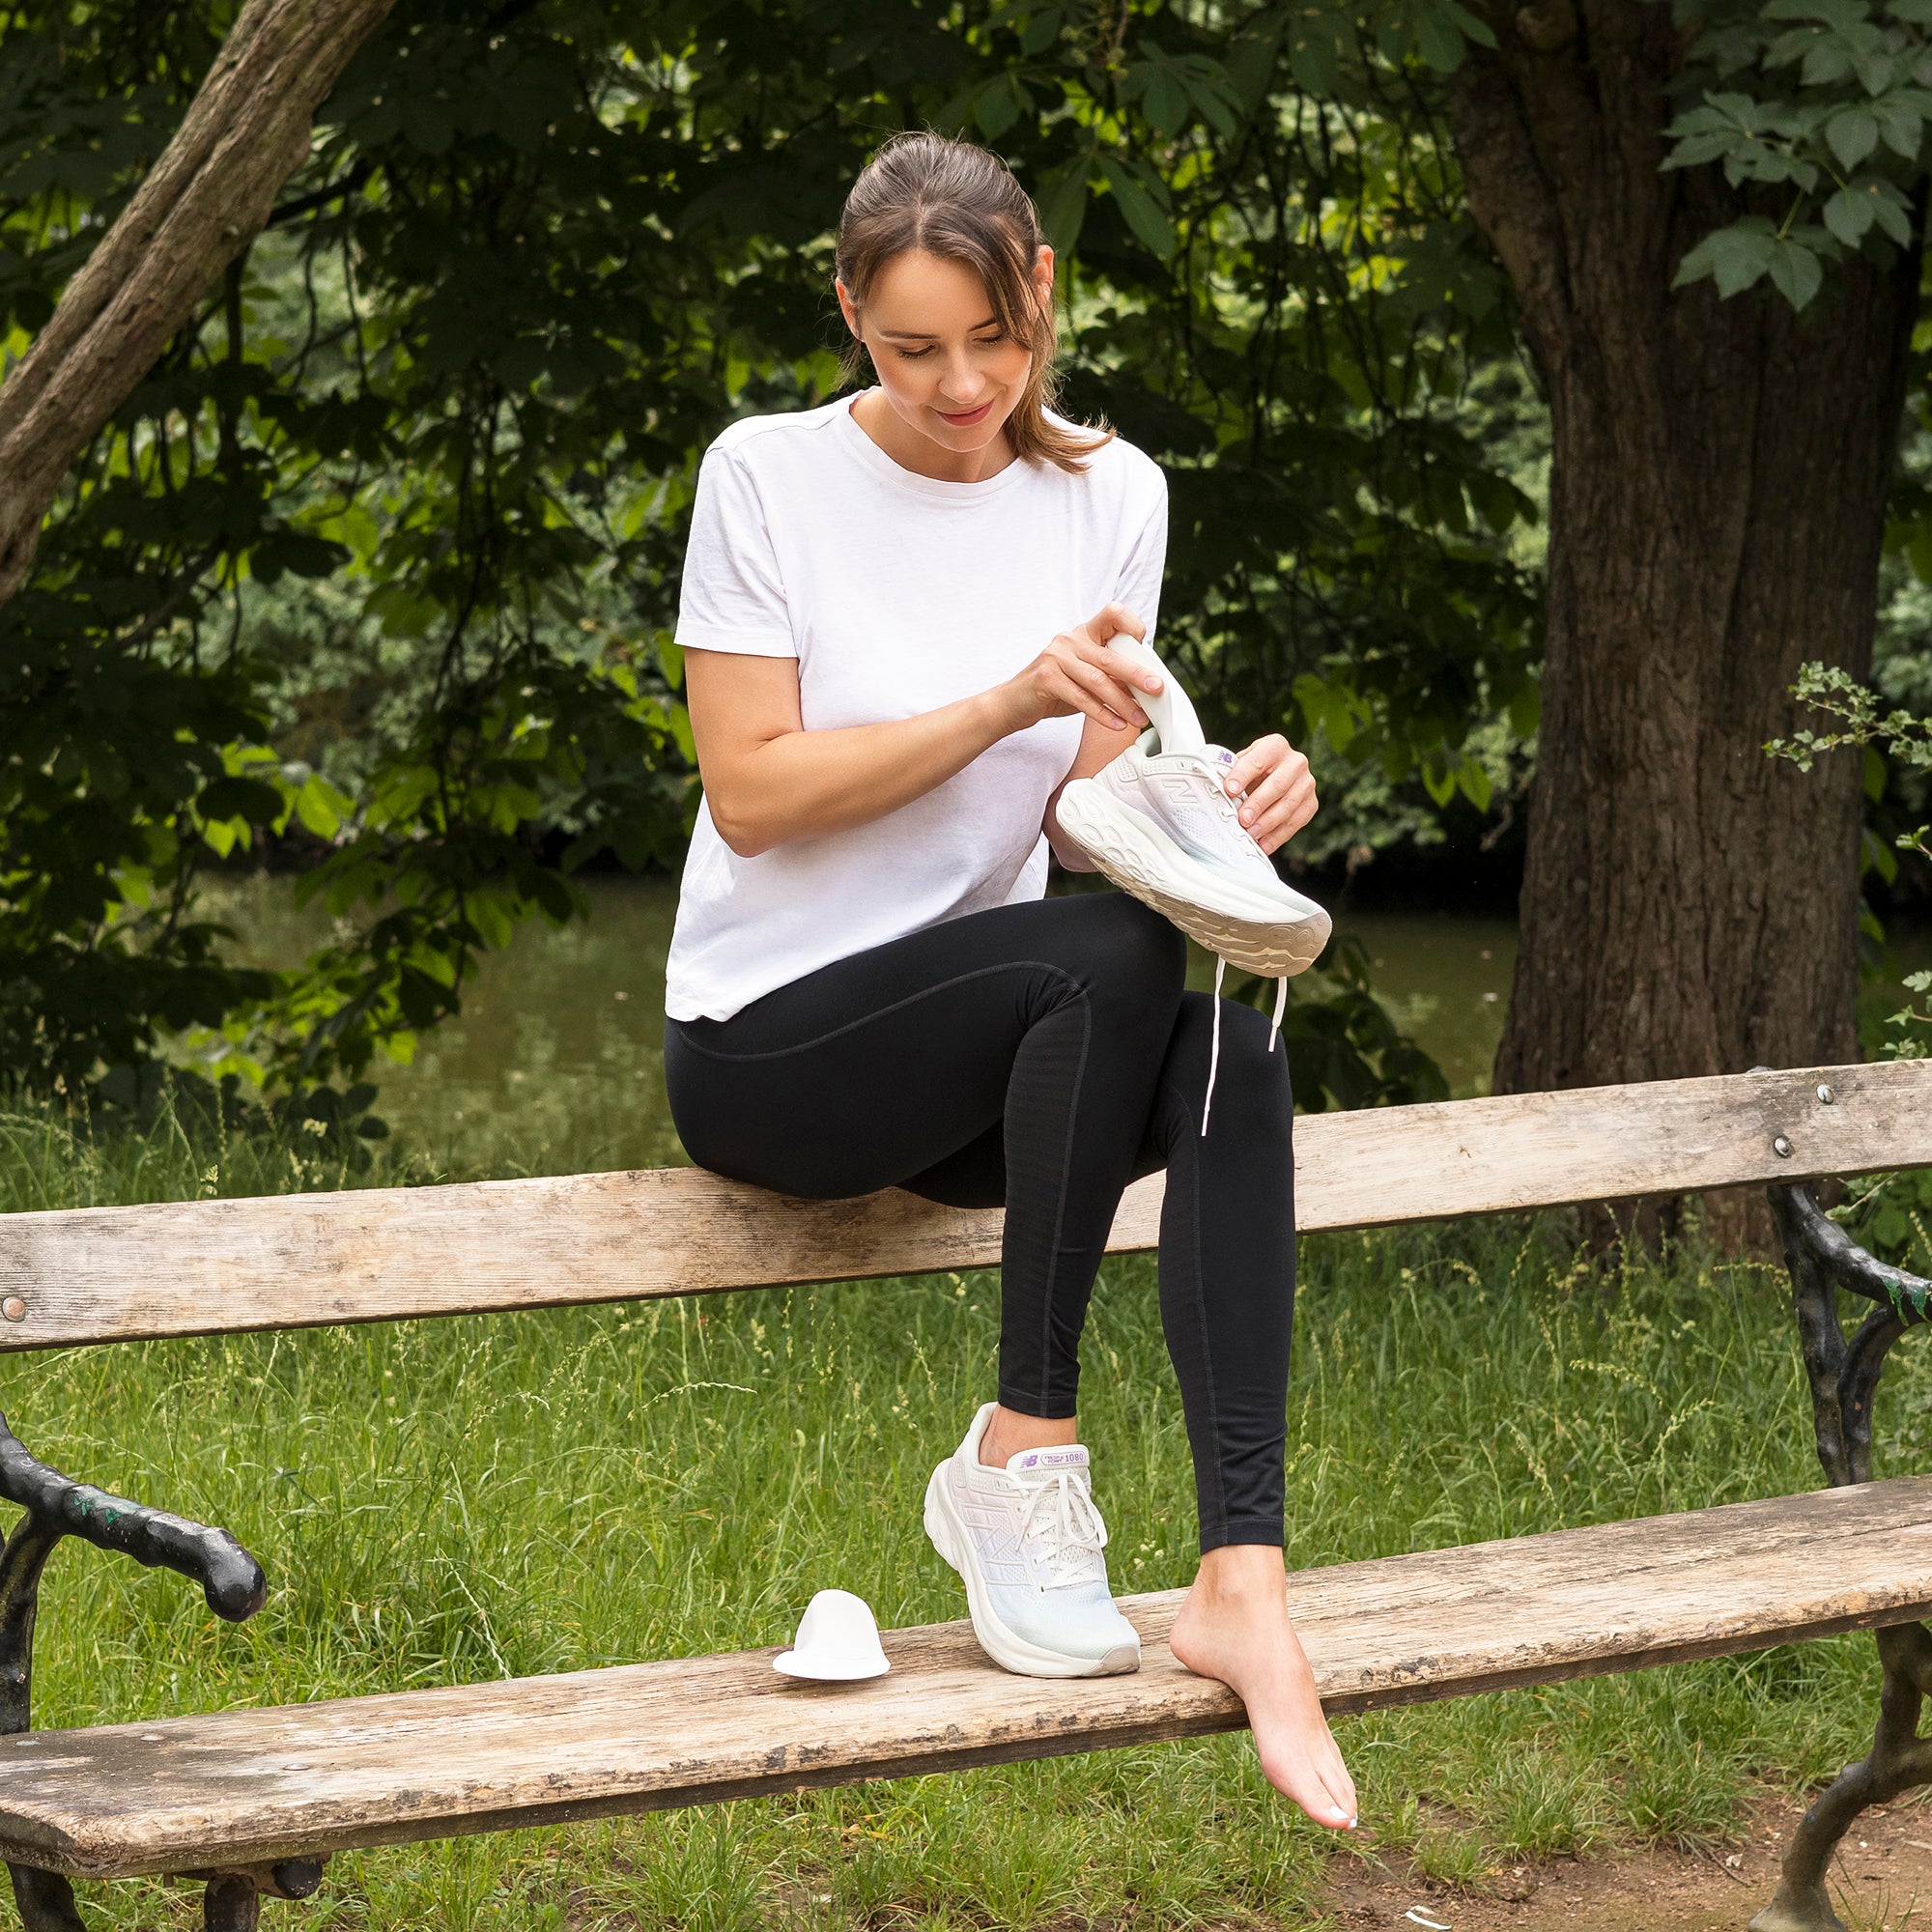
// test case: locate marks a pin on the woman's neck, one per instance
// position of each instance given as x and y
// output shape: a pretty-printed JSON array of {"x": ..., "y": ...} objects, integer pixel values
[{"x": 874, "y": 413}]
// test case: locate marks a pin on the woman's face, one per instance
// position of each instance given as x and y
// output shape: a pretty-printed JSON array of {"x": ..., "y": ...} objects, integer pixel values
[{"x": 944, "y": 366}]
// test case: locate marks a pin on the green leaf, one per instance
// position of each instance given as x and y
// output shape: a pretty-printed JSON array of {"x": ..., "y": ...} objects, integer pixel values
[
  {"x": 1165, "y": 103},
  {"x": 1852, "y": 133},
  {"x": 1902, "y": 126},
  {"x": 1042, "y": 30},
  {"x": 1874, "y": 775},
  {"x": 322, "y": 807},
  {"x": 670, "y": 659},
  {"x": 1319, "y": 38},
  {"x": 1734, "y": 257},
  {"x": 1139, "y": 208},
  {"x": 1063, "y": 207},
  {"x": 1825, "y": 65},
  {"x": 1215, "y": 96},
  {"x": 1473, "y": 780},
  {"x": 1876, "y": 72},
  {"x": 1796, "y": 273},
  {"x": 1849, "y": 213},
  {"x": 997, "y": 106},
  {"x": 1893, "y": 211}
]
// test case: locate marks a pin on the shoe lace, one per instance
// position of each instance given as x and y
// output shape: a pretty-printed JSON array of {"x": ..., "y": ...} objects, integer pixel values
[
  {"x": 1226, "y": 806},
  {"x": 1214, "y": 1052},
  {"x": 1070, "y": 1531}
]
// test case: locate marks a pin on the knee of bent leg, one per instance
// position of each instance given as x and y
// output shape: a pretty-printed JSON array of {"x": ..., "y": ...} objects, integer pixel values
[
  {"x": 1253, "y": 1095},
  {"x": 1136, "y": 951}
]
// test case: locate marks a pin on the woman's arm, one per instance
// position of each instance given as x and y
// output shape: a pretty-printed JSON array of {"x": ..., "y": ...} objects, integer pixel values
[{"x": 770, "y": 782}]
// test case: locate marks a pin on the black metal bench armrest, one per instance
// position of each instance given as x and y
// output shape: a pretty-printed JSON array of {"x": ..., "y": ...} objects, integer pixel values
[
  {"x": 230, "y": 1578},
  {"x": 1812, "y": 1232}
]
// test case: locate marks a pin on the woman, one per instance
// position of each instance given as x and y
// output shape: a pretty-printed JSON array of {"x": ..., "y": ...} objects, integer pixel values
[{"x": 896, "y": 619}]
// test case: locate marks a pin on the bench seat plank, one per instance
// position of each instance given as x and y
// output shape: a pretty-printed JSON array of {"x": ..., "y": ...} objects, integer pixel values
[
  {"x": 99, "y": 1274},
  {"x": 247, "y": 1785}
]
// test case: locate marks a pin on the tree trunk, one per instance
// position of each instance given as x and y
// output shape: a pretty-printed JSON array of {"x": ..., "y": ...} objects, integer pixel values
[
  {"x": 246, "y": 132},
  {"x": 1718, "y": 491}
]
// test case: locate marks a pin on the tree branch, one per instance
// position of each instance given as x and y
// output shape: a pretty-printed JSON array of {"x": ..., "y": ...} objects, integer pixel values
[{"x": 205, "y": 200}]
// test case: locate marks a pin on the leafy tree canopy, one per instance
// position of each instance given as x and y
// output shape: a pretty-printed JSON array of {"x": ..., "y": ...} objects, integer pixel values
[{"x": 425, "y": 456}]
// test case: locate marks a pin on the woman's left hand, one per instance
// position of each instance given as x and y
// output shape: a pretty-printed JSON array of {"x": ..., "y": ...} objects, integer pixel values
[{"x": 1280, "y": 790}]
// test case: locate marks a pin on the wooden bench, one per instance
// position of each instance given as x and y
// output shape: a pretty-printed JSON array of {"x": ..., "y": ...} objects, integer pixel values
[{"x": 254, "y": 1801}]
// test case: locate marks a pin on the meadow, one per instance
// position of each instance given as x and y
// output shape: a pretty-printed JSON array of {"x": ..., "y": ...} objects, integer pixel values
[{"x": 451, "y": 1501}]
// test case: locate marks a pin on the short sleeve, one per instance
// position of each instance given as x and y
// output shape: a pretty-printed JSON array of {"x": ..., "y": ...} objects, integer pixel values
[
  {"x": 733, "y": 597},
  {"x": 1139, "y": 584}
]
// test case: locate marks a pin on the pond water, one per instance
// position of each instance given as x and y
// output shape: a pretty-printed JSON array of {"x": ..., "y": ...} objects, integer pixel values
[{"x": 557, "y": 1054}]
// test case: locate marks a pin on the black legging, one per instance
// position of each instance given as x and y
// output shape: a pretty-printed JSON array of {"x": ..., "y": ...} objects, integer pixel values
[{"x": 1041, "y": 1056}]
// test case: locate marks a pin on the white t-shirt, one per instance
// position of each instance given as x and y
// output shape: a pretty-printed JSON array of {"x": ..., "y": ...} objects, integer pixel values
[{"x": 897, "y": 594}]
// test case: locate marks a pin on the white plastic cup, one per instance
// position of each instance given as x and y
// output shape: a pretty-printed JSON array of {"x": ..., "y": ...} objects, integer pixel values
[{"x": 838, "y": 1641}]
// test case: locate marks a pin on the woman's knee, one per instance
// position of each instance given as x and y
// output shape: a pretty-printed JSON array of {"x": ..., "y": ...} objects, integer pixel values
[
  {"x": 1130, "y": 950},
  {"x": 1253, "y": 1093}
]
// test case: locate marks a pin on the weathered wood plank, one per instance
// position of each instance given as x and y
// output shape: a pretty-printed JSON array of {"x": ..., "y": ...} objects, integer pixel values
[
  {"x": 223, "y": 1267},
  {"x": 248, "y": 1785}
]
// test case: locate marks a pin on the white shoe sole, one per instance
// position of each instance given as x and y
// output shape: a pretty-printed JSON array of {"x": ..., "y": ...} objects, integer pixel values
[
  {"x": 1010, "y": 1651},
  {"x": 1140, "y": 858}
]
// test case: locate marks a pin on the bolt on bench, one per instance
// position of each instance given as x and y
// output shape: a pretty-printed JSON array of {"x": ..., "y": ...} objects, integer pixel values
[{"x": 254, "y": 1802}]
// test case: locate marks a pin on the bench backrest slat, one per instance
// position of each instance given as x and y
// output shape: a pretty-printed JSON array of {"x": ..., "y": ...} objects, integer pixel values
[{"x": 99, "y": 1274}]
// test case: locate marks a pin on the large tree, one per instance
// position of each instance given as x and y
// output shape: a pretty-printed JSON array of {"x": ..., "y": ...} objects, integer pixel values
[{"x": 1725, "y": 406}]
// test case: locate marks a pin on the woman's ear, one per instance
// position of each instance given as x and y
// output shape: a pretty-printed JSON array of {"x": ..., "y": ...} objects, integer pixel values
[
  {"x": 847, "y": 307},
  {"x": 1042, "y": 275}
]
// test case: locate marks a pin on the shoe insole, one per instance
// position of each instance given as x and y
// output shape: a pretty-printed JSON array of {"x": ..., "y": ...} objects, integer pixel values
[{"x": 1169, "y": 710}]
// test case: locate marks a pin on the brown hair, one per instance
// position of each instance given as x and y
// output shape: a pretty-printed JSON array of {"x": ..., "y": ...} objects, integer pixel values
[{"x": 922, "y": 190}]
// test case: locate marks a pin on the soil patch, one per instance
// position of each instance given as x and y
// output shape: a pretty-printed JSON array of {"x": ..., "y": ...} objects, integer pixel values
[{"x": 1881, "y": 1882}]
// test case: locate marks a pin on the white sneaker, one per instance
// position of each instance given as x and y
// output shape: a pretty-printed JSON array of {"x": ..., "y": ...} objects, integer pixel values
[
  {"x": 1026, "y": 1540},
  {"x": 1158, "y": 822}
]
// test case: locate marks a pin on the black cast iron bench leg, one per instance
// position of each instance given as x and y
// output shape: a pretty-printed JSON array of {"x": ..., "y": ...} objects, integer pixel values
[
  {"x": 56, "y": 1506},
  {"x": 1844, "y": 1371}
]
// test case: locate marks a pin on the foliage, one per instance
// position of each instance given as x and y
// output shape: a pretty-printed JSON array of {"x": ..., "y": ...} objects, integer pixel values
[
  {"x": 1342, "y": 1048},
  {"x": 538, "y": 258},
  {"x": 1887, "y": 1212},
  {"x": 306, "y": 424},
  {"x": 1908, "y": 738},
  {"x": 1818, "y": 108}
]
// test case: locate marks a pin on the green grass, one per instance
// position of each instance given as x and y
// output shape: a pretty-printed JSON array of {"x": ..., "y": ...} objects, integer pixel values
[{"x": 449, "y": 1501}]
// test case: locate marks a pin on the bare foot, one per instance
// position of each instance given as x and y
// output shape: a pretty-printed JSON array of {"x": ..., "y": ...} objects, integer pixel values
[{"x": 1234, "y": 1627}]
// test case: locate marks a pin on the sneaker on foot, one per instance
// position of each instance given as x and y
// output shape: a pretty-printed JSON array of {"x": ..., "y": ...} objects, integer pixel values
[{"x": 1026, "y": 1541}]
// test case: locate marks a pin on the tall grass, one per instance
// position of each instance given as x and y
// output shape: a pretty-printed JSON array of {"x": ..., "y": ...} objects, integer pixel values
[{"x": 449, "y": 1501}]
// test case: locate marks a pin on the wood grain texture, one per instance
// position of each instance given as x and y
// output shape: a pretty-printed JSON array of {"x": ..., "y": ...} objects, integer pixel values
[
  {"x": 101, "y": 1274},
  {"x": 245, "y": 1786}
]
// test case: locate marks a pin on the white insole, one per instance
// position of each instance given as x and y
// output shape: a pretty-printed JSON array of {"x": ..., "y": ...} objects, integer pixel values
[{"x": 1169, "y": 710}]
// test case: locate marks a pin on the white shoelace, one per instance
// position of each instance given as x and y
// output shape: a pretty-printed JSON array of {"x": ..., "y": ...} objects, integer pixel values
[
  {"x": 1073, "y": 1533},
  {"x": 1214, "y": 1053}
]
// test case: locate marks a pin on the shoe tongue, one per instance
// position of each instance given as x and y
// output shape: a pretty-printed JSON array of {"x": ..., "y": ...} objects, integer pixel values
[{"x": 1048, "y": 1461}]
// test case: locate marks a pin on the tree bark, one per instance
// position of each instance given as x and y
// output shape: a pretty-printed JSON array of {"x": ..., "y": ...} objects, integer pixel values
[
  {"x": 1717, "y": 489},
  {"x": 247, "y": 130}
]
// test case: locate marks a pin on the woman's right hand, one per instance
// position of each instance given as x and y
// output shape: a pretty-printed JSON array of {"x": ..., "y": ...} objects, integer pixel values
[{"x": 1077, "y": 674}]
